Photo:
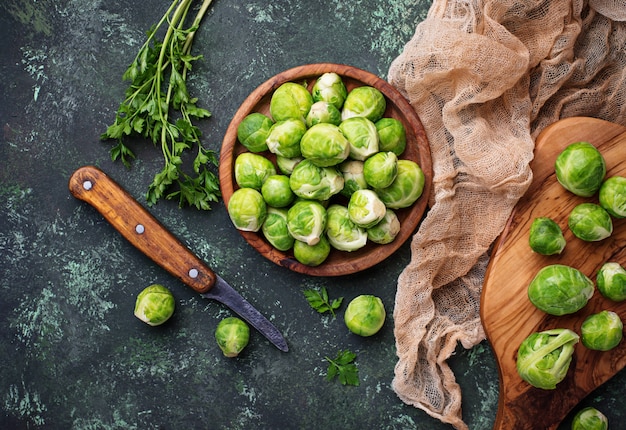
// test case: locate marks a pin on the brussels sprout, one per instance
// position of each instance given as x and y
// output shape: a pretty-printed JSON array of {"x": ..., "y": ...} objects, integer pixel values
[
  {"x": 232, "y": 336},
  {"x": 544, "y": 357},
  {"x": 602, "y": 331},
  {"x": 580, "y": 169},
  {"x": 290, "y": 100},
  {"x": 251, "y": 170},
  {"x": 306, "y": 221},
  {"x": 391, "y": 135},
  {"x": 353, "y": 178},
  {"x": 386, "y": 230},
  {"x": 364, "y": 101},
  {"x": 406, "y": 188},
  {"x": 590, "y": 418},
  {"x": 275, "y": 229},
  {"x": 286, "y": 165},
  {"x": 611, "y": 281},
  {"x": 323, "y": 112},
  {"x": 362, "y": 135},
  {"x": 546, "y": 237},
  {"x": 342, "y": 233},
  {"x": 324, "y": 145},
  {"x": 329, "y": 87},
  {"x": 381, "y": 169},
  {"x": 365, "y": 208},
  {"x": 247, "y": 209},
  {"x": 365, "y": 315},
  {"x": 612, "y": 196},
  {"x": 312, "y": 255},
  {"x": 284, "y": 137},
  {"x": 253, "y": 130},
  {"x": 277, "y": 192},
  {"x": 590, "y": 222},
  {"x": 155, "y": 305},
  {"x": 558, "y": 289},
  {"x": 309, "y": 181}
]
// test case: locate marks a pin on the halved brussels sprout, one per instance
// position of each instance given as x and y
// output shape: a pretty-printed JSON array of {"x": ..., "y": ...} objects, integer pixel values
[
  {"x": 277, "y": 192},
  {"x": 275, "y": 229},
  {"x": 381, "y": 169},
  {"x": 544, "y": 357},
  {"x": 247, "y": 209},
  {"x": 284, "y": 137},
  {"x": 342, "y": 233},
  {"x": 611, "y": 281},
  {"x": 546, "y": 237},
  {"x": 590, "y": 222},
  {"x": 612, "y": 196},
  {"x": 364, "y": 101},
  {"x": 590, "y": 418},
  {"x": 251, "y": 170},
  {"x": 386, "y": 230},
  {"x": 324, "y": 145},
  {"x": 290, "y": 100},
  {"x": 312, "y": 182},
  {"x": 365, "y": 208},
  {"x": 602, "y": 331},
  {"x": 362, "y": 135},
  {"x": 391, "y": 135},
  {"x": 232, "y": 335},
  {"x": 253, "y": 130},
  {"x": 312, "y": 255},
  {"x": 558, "y": 289},
  {"x": 353, "y": 178},
  {"x": 580, "y": 168},
  {"x": 286, "y": 165},
  {"x": 306, "y": 221},
  {"x": 155, "y": 305},
  {"x": 365, "y": 315},
  {"x": 406, "y": 188},
  {"x": 323, "y": 112},
  {"x": 329, "y": 87}
]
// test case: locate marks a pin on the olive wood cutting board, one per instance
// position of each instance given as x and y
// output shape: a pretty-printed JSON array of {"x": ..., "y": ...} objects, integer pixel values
[{"x": 508, "y": 316}]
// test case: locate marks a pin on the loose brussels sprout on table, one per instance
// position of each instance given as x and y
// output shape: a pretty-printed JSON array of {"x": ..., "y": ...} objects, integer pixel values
[
  {"x": 247, "y": 209},
  {"x": 232, "y": 336},
  {"x": 155, "y": 305},
  {"x": 364, "y": 101},
  {"x": 365, "y": 208},
  {"x": 324, "y": 145},
  {"x": 559, "y": 290},
  {"x": 602, "y": 331},
  {"x": 253, "y": 131},
  {"x": 284, "y": 137},
  {"x": 251, "y": 170},
  {"x": 362, "y": 136},
  {"x": 309, "y": 181},
  {"x": 580, "y": 168},
  {"x": 611, "y": 281},
  {"x": 275, "y": 229},
  {"x": 612, "y": 196},
  {"x": 590, "y": 222},
  {"x": 544, "y": 357},
  {"x": 290, "y": 100},
  {"x": 343, "y": 234},
  {"x": 546, "y": 237},
  {"x": 306, "y": 221},
  {"x": 329, "y": 87},
  {"x": 365, "y": 315},
  {"x": 590, "y": 418}
]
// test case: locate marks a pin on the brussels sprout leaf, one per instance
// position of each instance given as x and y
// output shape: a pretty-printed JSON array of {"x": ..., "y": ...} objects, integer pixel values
[
  {"x": 319, "y": 300},
  {"x": 343, "y": 367}
]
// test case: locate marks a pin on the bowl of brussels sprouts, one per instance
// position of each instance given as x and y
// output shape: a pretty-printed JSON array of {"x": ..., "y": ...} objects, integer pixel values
[{"x": 325, "y": 169}]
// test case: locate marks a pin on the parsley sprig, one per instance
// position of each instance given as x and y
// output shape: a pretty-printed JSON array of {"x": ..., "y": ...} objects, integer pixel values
[
  {"x": 158, "y": 88},
  {"x": 319, "y": 300},
  {"x": 343, "y": 367}
]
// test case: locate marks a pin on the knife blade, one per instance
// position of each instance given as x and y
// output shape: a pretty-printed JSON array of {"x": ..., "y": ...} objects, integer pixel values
[{"x": 90, "y": 184}]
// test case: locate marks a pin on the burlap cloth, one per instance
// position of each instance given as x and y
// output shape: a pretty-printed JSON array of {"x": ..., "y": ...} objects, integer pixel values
[{"x": 486, "y": 77}]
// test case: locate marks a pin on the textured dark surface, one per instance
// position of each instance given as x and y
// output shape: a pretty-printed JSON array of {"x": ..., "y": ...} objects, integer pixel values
[{"x": 74, "y": 355}]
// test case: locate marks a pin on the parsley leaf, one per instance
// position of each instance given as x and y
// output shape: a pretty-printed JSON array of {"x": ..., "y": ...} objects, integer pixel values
[
  {"x": 318, "y": 299},
  {"x": 343, "y": 367}
]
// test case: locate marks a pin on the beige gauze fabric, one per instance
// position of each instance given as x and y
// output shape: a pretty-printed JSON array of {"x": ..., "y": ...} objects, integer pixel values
[{"x": 485, "y": 77}]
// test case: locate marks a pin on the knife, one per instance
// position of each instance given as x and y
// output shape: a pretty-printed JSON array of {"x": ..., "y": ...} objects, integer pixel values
[{"x": 146, "y": 233}]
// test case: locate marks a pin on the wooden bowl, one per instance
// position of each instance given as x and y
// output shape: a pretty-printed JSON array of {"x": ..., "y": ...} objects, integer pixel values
[{"x": 417, "y": 149}]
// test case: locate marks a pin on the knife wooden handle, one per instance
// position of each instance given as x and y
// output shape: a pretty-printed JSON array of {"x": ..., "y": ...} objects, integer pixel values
[{"x": 139, "y": 227}]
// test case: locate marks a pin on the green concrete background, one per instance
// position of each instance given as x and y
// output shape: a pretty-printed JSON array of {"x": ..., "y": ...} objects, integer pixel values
[{"x": 74, "y": 356}]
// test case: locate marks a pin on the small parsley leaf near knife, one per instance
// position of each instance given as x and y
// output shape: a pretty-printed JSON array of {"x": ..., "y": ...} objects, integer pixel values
[
  {"x": 343, "y": 367},
  {"x": 158, "y": 87},
  {"x": 319, "y": 300}
]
